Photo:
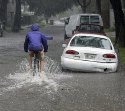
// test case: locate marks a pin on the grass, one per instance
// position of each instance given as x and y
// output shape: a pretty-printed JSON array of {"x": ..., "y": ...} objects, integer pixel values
[
  {"x": 122, "y": 55},
  {"x": 121, "y": 51},
  {"x": 109, "y": 29}
]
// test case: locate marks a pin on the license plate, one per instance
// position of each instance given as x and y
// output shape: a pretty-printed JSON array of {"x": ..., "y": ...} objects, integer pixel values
[{"x": 90, "y": 56}]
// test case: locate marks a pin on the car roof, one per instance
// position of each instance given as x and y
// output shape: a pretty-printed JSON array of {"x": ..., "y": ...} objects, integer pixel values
[
  {"x": 93, "y": 35},
  {"x": 100, "y": 31},
  {"x": 87, "y": 14},
  {"x": 88, "y": 32}
]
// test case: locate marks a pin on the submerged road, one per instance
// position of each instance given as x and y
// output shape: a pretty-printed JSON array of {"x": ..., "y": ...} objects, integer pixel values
[{"x": 58, "y": 91}]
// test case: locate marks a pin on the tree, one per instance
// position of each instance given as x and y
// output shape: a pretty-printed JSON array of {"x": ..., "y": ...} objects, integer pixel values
[
  {"x": 119, "y": 22},
  {"x": 98, "y": 5},
  {"x": 3, "y": 10},
  {"x": 49, "y": 7},
  {"x": 123, "y": 4},
  {"x": 83, "y": 4},
  {"x": 17, "y": 17}
]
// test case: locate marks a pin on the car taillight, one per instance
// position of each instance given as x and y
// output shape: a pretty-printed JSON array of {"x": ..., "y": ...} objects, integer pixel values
[
  {"x": 109, "y": 56},
  {"x": 72, "y": 52}
]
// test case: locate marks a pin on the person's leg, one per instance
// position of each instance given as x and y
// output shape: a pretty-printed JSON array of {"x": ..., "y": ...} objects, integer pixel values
[
  {"x": 42, "y": 65},
  {"x": 31, "y": 54},
  {"x": 41, "y": 62},
  {"x": 38, "y": 65}
]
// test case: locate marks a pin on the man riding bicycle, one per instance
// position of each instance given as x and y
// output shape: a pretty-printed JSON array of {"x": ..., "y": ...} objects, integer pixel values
[{"x": 36, "y": 44}]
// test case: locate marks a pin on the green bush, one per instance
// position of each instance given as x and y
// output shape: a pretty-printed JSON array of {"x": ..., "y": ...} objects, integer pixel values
[
  {"x": 42, "y": 23},
  {"x": 121, "y": 51},
  {"x": 110, "y": 29},
  {"x": 122, "y": 55}
]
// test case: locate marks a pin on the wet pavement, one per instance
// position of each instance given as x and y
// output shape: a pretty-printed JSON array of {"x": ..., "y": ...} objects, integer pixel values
[{"x": 57, "y": 90}]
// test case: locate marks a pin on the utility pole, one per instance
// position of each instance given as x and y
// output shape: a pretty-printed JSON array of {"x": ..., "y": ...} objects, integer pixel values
[
  {"x": 17, "y": 17},
  {"x": 98, "y": 5},
  {"x": 124, "y": 5},
  {"x": 3, "y": 11}
]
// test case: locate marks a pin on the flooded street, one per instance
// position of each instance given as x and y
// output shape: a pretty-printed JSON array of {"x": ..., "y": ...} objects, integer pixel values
[{"x": 57, "y": 90}]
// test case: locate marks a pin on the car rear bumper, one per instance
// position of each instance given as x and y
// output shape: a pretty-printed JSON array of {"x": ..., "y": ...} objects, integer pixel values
[{"x": 88, "y": 66}]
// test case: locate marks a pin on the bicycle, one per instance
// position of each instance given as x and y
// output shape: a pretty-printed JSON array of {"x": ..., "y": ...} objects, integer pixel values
[
  {"x": 35, "y": 64},
  {"x": 36, "y": 61}
]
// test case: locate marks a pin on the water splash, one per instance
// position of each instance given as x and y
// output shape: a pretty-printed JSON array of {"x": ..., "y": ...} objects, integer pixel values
[{"x": 23, "y": 77}]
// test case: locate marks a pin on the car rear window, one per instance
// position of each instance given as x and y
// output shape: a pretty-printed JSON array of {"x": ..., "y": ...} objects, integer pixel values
[
  {"x": 89, "y": 41},
  {"x": 84, "y": 19},
  {"x": 94, "y": 19},
  {"x": 91, "y": 28}
]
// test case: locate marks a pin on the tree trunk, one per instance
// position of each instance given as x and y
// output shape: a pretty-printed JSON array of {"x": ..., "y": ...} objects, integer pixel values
[
  {"x": 83, "y": 9},
  {"x": 84, "y": 6},
  {"x": 98, "y": 5},
  {"x": 124, "y": 6},
  {"x": 3, "y": 11},
  {"x": 17, "y": 18},
  {"x": 119, "y": 22}
]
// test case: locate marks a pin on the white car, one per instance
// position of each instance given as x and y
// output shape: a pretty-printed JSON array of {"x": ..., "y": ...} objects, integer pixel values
[{"x": 89, "y": 53}]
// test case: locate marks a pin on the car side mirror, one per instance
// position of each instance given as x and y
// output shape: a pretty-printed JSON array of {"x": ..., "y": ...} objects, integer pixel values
[
  {"x": 66, "y": 21},
  {"x": 77, "y": 27},
  {"x": 74, "y": 31},
  {"x": 64, "y": 45}
]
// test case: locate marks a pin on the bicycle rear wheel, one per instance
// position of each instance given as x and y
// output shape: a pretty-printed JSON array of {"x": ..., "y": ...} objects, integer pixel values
[{"x": 35, "y": 66}]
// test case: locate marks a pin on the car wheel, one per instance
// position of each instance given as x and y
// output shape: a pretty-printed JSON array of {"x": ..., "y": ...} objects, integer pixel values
[
  {"x": 63, "y": 69},
  {"x": 65, "y": 37},
  {"x": 117, "y": 68}
]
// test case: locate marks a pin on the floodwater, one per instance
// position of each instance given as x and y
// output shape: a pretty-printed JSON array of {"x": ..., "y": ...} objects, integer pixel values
[
  {"x": 19, "y": 90},
  {"x": 24, "y": 78},
  {"x": 56, "y": 90}
]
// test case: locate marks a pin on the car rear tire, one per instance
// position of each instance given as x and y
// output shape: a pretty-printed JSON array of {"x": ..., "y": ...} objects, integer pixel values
[
  {"x": 63, "y": 69},
  {"x": 65, "y": 37}
]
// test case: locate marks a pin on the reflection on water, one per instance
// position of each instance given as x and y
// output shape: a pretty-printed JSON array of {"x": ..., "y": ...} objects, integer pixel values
[{"x": 23, "y": 77}]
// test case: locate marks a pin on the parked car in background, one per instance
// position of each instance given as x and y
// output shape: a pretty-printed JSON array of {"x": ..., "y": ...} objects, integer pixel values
[
  {"x": 72, "y": 22},
  {"x": 89, "y": 28},
  {"x": 89, "y": 53}
]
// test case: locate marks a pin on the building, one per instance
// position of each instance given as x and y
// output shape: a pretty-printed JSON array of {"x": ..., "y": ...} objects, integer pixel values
[{"x": 27, "y": 16}]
